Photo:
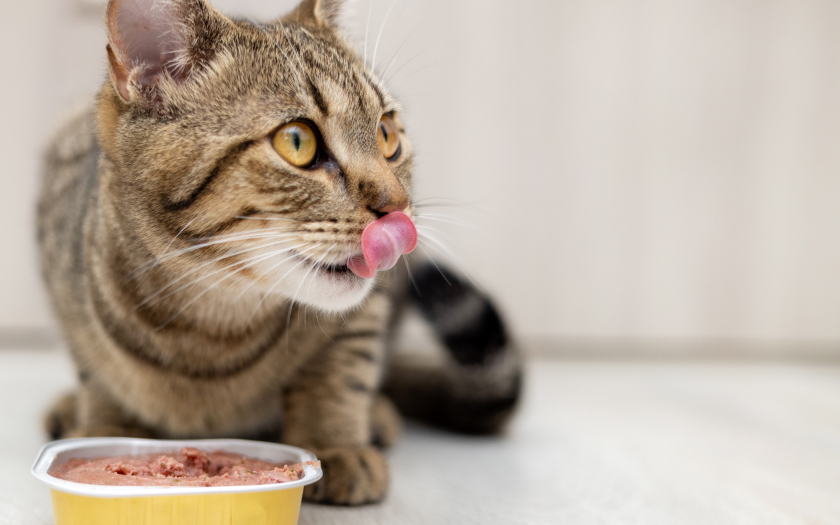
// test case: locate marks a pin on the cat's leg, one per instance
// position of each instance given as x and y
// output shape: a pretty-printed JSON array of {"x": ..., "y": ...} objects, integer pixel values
[
  {"x": 385, "y": 422},
  {"x": 330, "y": 407},
  {"x": 90, "y": 412}
]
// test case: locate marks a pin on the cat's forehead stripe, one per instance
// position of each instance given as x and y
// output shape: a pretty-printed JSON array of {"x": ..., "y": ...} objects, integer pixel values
[
  {"x": 326, "y": 70},
  {"x": 318, "y": 98},
  {"x": 356, "y": 93},
  {"x": 375, "y": 88}
]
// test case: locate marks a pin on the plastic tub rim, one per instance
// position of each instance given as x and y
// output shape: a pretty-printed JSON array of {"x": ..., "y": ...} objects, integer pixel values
[{"x": 49, "y": 452}]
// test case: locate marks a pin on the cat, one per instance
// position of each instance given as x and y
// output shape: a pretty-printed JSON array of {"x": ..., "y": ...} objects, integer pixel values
[{"x": 208, "y": 236}]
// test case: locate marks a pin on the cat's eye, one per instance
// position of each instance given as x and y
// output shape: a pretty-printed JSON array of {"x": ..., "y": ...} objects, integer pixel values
[
  {"x": 388, "y": 137},
  {"x": 296, "y": 143}
]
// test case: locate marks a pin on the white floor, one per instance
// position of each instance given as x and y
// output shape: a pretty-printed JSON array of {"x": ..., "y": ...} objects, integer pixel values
[{"x": 601, "y": 442}]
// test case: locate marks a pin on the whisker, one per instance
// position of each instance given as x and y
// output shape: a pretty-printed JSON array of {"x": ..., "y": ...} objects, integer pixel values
[
  {"x": 303, "y": 280},
  {"x": 317, "y": 263},
  {"x": 259, "y": 234},
  {"x": 411, "y": 277},
  {"x": 232, "y": 238},
  {"x": 312, "y": 265},
  {"x": 242, "y": 265},
  {"x": 186, "y": 250},
  {"x": 381, "y": 28},
  {"x": 431, "y": 260},
  {"x": 417, "y": 71},
  {"x": 203, "y": 292},
  {"x": 445, "y": 236},
  {"x": 289, "y": 323},
  {"x": 426, "y": 206},
  {"x": 260, "y": 276},
  {"x": 247, "y": 218},
  {"x": 234, "y": 235},
  {"x": 449, "y": 254},
  {"x": 448, "y": 220},
  {"x": 278, "y": 282},
  {"x": 209, "y": 263},
  {"x": 399, "y": 15},
  {"x": 404, "y": 96},
  {"x": 157, "y": 259},
  {"x": 367, "y": 26},
  {"x": 397, "y": 52},
  {"x": 433, "y": 202},
  {"x": 197, "y": 297},
  {"x": 247, "y": 263},
  {"x": 407, "y": 62},
  {"x": 322, "y": 328}
]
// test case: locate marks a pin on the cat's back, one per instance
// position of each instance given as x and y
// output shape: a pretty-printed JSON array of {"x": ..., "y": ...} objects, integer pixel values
[{"x": 67, "y": 190}]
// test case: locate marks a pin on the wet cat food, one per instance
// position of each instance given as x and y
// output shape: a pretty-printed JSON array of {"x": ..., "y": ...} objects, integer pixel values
[{"x": 189, "y": 468}]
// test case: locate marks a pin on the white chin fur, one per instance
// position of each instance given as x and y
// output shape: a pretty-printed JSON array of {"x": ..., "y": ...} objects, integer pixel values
[{"x": 311, "y": 285}]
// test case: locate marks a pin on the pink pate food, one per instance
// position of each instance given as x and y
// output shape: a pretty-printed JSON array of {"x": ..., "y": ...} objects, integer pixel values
[{"x": 190, "y": 468}]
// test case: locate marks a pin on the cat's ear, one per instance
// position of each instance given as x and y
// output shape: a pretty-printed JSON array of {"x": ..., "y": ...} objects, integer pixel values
[
  {"x": 151, "y": 39},
  {"x": 318, "y": 12}
]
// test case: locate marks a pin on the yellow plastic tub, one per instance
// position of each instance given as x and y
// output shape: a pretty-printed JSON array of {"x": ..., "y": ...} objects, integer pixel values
[{"x": 84, "y": 504}]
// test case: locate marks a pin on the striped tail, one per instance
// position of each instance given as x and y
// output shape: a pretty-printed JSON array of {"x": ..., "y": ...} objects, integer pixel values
[{"x": 476, "y": 386}]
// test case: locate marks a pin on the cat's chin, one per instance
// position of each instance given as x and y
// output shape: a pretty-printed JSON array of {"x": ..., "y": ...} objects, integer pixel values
[
  {"x": 335, "y": 291},
  {"x": 330, "y": 288}
]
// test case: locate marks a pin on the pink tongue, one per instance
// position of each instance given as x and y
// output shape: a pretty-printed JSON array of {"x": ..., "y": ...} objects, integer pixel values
[{"x": 383, "y": 242}]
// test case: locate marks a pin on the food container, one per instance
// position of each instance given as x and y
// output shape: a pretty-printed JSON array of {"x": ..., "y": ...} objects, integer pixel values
[{"x": 85, "y": 504}]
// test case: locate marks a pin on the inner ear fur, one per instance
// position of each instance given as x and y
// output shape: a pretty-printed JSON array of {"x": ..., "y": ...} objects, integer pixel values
[{"x": 150, "y": 39}]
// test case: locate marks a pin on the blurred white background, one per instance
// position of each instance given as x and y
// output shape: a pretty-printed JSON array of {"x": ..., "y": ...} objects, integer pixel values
[{"x": 636, "y": 169}]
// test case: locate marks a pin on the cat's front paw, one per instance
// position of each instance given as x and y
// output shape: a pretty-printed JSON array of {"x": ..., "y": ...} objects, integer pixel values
[
  {"x": 61, "y": 419},
  {"x": 352, "y": 476}
]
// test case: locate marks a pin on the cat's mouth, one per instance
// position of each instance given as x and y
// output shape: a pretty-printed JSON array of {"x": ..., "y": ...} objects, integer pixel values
[
  {"x": 333, "y": 269},
  {"x": 324, "y": 269},
  {"x": 384, "y": 241}
]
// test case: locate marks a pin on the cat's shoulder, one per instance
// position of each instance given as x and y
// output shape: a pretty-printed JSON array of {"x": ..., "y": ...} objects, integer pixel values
[{"x": 75, "y": 135}]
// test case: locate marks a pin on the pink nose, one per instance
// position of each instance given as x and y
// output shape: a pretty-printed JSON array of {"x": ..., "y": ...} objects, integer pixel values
[{"x": 383, "y": 241}]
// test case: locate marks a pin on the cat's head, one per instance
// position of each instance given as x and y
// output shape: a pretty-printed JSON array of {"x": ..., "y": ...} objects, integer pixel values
[{"x": 263, "y": 150}]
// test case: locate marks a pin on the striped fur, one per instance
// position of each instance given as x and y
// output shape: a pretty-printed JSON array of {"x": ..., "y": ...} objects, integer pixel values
[
  {"x": 477, "y": 387},
  {"x": 199, "y": 279}
]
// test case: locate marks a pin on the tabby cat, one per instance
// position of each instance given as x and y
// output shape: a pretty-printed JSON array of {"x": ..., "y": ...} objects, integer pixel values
[{"x": 211, "y": 232}]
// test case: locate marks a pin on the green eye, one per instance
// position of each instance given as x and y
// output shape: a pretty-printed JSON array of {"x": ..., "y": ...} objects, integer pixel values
[
  {"x": 388, "y": 137},
  {"x": 296, "y": 143}
]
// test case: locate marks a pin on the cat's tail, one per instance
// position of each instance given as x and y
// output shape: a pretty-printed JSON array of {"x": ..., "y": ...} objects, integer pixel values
[{"x": 476, "y": 385}]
